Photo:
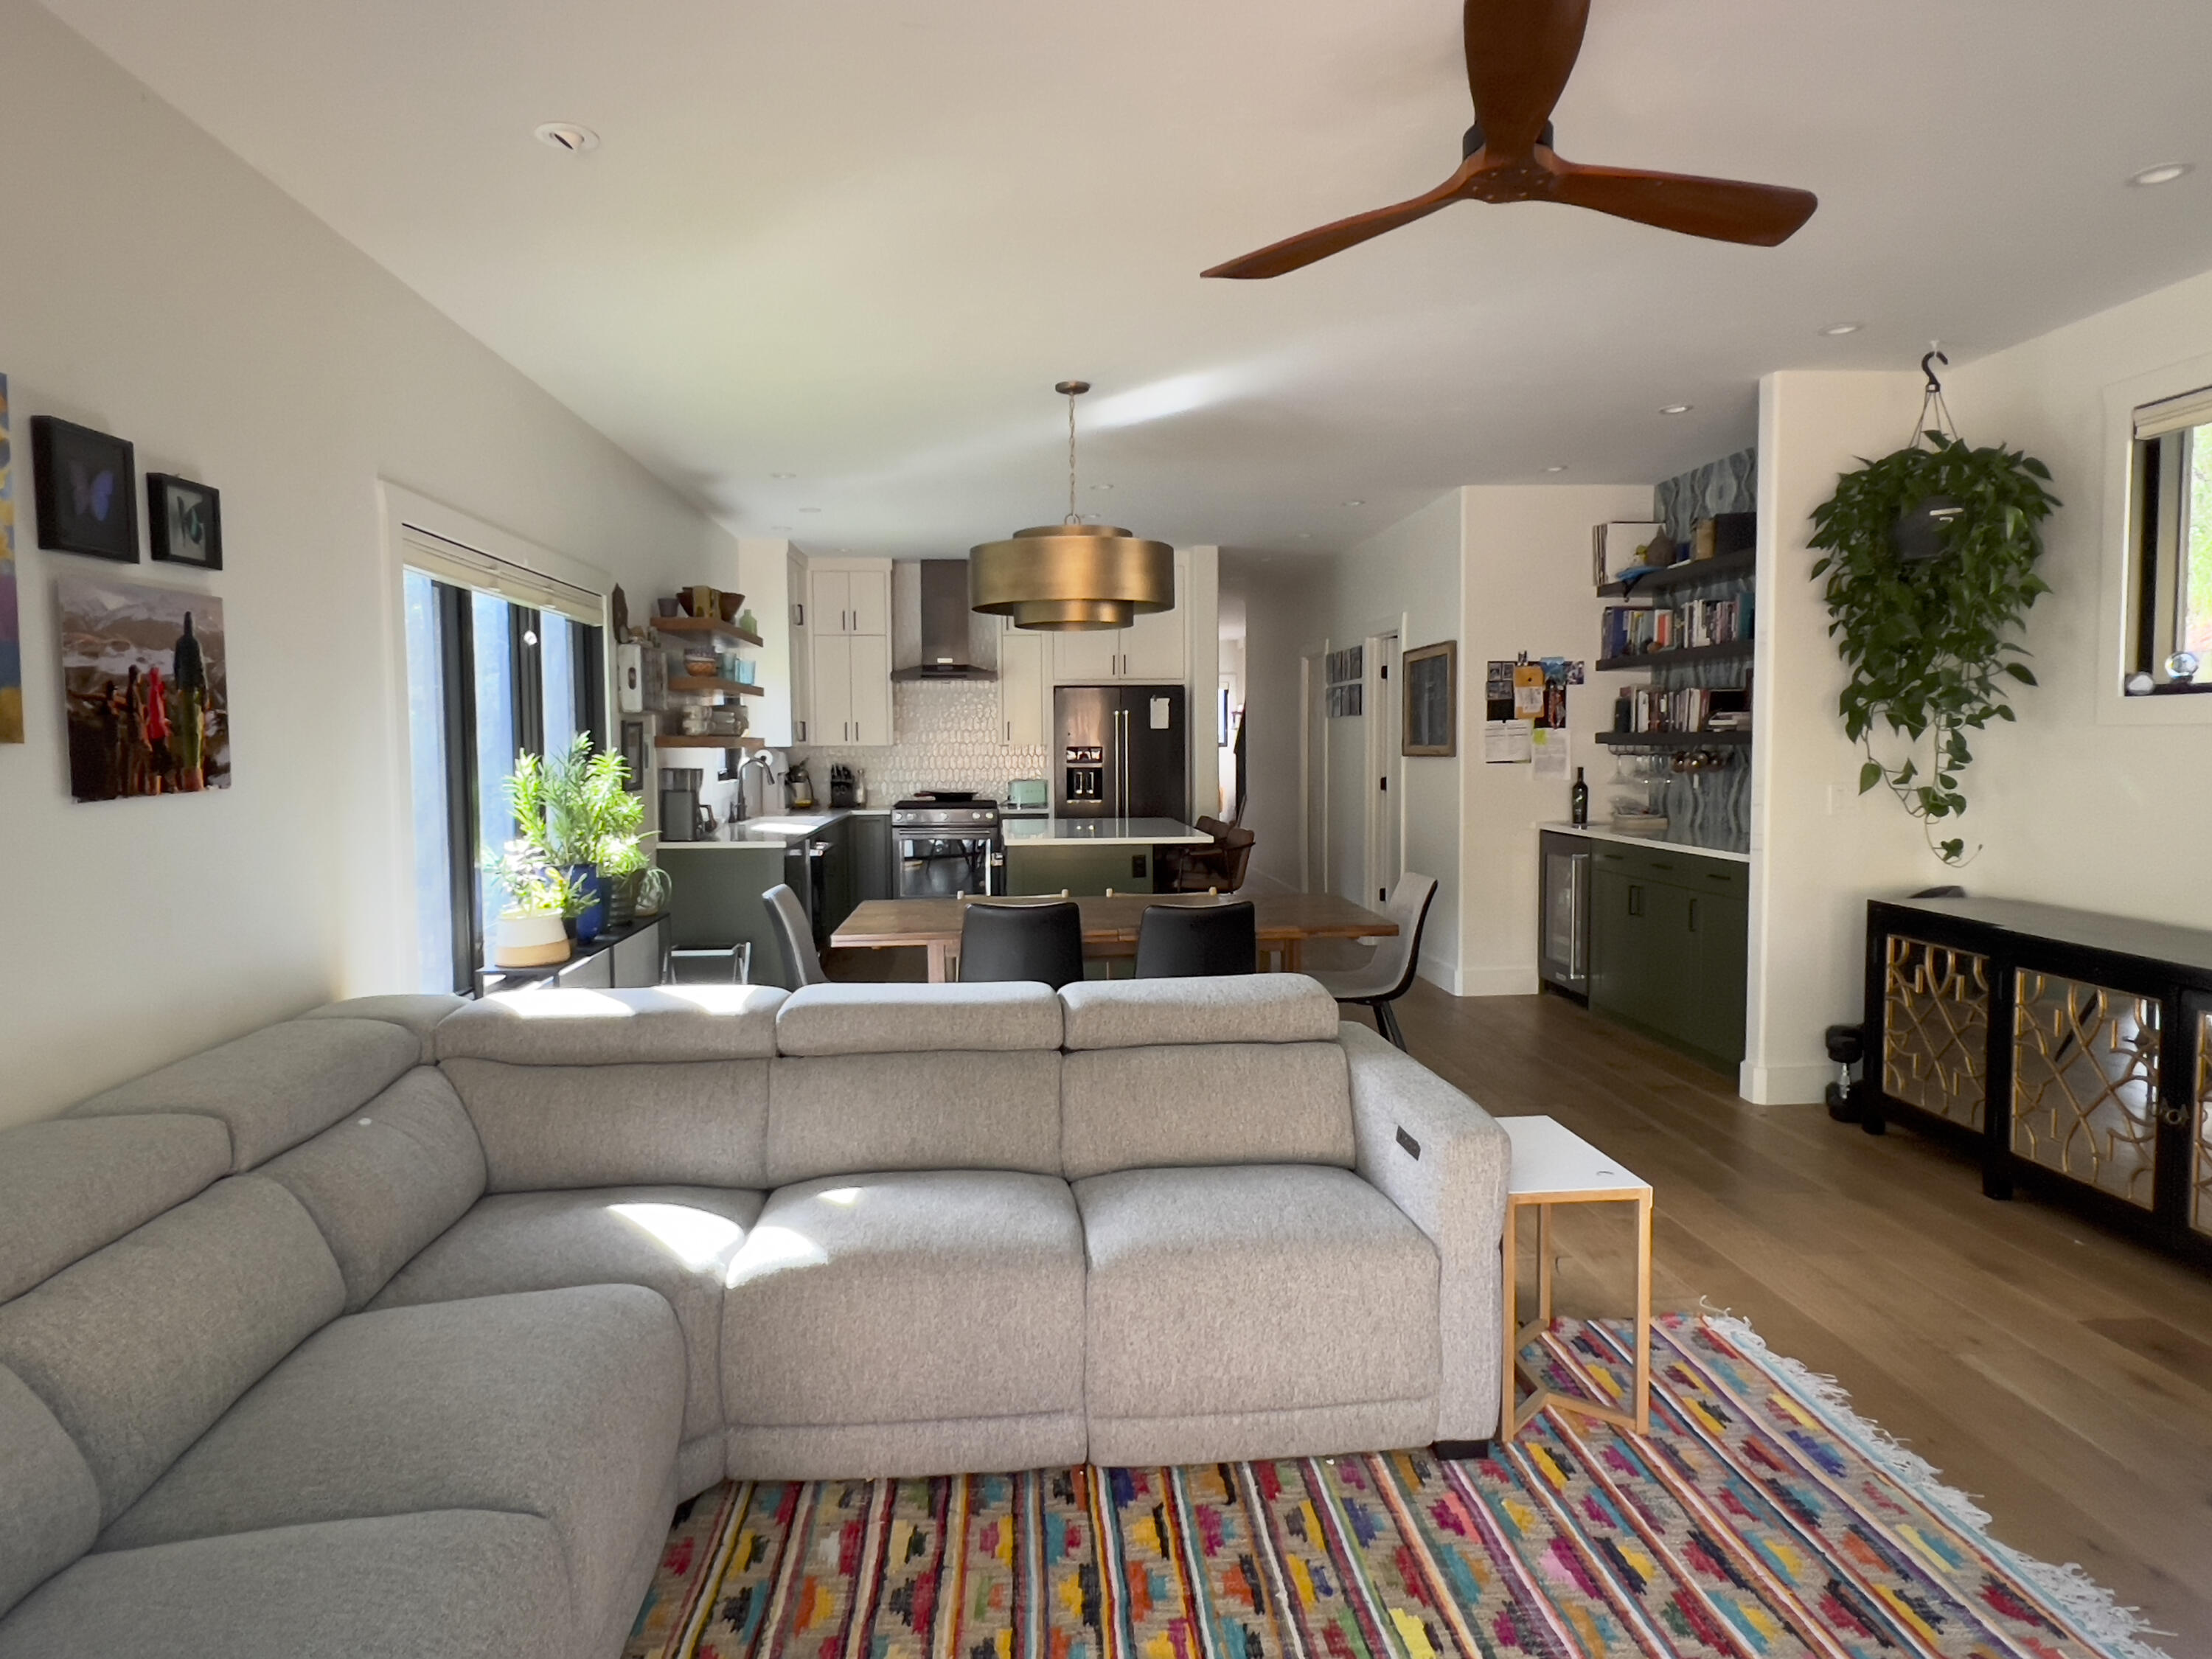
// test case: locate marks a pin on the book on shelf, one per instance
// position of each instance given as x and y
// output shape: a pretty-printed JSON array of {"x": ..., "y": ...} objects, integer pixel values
[
  {"x": 1688, "y": 710},
  {"x": 1636, "y": 631},
  {"x": 1619, "y": 547}
]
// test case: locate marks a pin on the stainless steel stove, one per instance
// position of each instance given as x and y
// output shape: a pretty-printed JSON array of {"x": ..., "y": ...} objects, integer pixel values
[{"x": 948, "y": 844}]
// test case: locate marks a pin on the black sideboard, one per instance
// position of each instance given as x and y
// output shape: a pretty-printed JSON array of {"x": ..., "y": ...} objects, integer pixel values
[{"x": 2070, "y": 1052}]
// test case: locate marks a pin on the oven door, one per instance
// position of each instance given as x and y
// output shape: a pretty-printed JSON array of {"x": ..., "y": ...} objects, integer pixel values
[{"x": 943, "y": 866}]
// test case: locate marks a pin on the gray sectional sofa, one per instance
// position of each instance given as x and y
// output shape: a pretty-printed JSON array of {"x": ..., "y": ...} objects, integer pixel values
[{"x": 400, "y": 1327}]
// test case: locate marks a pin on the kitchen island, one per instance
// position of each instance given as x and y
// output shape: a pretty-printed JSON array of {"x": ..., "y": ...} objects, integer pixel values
[
  {"x": 1086, "y": 856},
  {"x": 832, "y": 859}
]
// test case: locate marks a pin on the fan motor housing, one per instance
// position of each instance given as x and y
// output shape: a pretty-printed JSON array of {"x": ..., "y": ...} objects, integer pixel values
[{"x": 1472, "y": 141}]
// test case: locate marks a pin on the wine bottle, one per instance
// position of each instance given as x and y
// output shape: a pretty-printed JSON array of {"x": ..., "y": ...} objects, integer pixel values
[{"x": 1579, "y": 802}]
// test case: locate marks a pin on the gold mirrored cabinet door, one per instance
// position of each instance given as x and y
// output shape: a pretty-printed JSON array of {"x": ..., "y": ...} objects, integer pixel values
[
  {"x": 2086, "y": 1082},
  {"x": 1935, "y": 1034},
  {"x": 2200, "y": 1212}
]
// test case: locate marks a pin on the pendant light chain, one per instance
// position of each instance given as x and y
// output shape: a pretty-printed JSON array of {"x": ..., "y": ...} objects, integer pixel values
[{"x": 1071, "y": 518}]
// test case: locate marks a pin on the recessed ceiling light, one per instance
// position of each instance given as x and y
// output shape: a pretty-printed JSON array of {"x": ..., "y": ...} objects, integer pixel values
[
  {"x": 567, "y": 136},
  {"x": 1837, "y": 329},
  {"x": 1101, "y": 486},
  {"x": 2163, "y": 175},
  {"x": 785, "y": 527},
  {"x": 783, "y": 475},
  {"x": 1555, "y": 468},
  {"x": 809, "y": 509},
  {"x": 1677, "y": 409},
  {"x": 1355, "y": 502}
]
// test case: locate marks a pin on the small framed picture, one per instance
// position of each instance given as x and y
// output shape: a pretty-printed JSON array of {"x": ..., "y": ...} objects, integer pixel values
[
  {"x": 184, "y": 521},
  {"x": 633, "y": 754},
  {"x": 86, "y": 483},
  {"x": 1431, "y": 708}
]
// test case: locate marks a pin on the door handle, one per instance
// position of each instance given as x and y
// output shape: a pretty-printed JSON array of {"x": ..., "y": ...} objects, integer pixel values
[
  {"x": 1693, "y": 915},
  {"x": 1635, "y": 901}
]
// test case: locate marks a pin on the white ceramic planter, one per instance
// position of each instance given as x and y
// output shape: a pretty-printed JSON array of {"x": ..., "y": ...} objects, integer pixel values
[{"x": 529, "y": 939}]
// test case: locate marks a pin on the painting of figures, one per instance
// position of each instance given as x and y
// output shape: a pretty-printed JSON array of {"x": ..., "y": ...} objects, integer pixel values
[
  {"x": 11, "y": 638},
  {"x": 148, "y": 696}
]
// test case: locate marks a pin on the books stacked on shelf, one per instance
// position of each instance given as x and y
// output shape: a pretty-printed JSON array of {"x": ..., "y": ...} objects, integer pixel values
[
  {"x": 1686, "y": 708},
  {"x": 1635, "y": 630}
]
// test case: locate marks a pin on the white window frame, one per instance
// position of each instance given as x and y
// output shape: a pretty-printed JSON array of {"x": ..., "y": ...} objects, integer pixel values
[{"x": 2116, "y": 583}]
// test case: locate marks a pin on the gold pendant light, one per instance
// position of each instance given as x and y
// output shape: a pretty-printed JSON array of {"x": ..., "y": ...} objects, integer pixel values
[{"x": 1064, "y": 577}]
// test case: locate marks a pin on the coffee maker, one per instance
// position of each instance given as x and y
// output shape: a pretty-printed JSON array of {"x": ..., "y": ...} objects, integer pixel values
[{"x": 679, "y": 802}]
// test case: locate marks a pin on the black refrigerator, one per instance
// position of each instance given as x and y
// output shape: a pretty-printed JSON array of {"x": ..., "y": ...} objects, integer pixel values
[{"x": 1122, "y": 751}]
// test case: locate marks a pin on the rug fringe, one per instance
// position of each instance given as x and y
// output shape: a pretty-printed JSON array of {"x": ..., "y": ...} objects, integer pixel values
[{"x": 2092, "y": 1608}]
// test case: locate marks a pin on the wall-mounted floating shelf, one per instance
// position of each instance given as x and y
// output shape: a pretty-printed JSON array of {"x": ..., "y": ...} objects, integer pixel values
[
  {"x": 1674, "y": 740},
  {"x": 1728, "y": 566},
  {"x": 706, "y": 740},
  {"x": 701, "y": 683},
  {"x": 705, "y": 627},
  {"x": 1731, "y": 650}
]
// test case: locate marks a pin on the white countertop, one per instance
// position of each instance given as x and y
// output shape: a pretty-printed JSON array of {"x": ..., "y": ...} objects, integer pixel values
[
  {"x": 1101, "y": 832},
  {"x": 762, "y": 830},
  {"x": 1594, "y": 833}
]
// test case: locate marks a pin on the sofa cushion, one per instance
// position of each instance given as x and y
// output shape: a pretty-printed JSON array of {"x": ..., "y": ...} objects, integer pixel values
[
  {"x": 1264, "y": 1288},
  {"x": 1229, "y": 1103},
  {"x": 615, "y": 1027},
  {"x": 880, "y": 1019},
  {"x": 69, "y": 1186},
  {"x": 701, "y": 1123},
  {"x": 560, "y": 1404},
  {"x": 1135, "y": 1013},
  {"x": 420, "y": 1012},
  {"x": 905, "y": 1299},
  {"x": 457, "y": 1583},
  {"x": 137, "y": 1348},
  {"x": 50, "y": 1512},
  {"x": 676, "y": 1241},
  {"x": 386, "y": 1181},
  {"x": 955, "y": 1111},
  {"x": 273, "y": 1087}
]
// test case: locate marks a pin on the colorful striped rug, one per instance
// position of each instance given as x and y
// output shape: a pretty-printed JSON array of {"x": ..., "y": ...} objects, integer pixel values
[{"x": 1760, "y": 1517}]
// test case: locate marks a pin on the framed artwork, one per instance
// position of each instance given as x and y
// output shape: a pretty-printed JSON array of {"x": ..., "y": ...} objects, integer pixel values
[
  {"x": 11, "y": 635},
  {"x": 184, "y": 521},
  {"x": 1431, "y": 715},
  {"x": 148, "y": 691},
  {"x": 86, "y": 483},
  {"x": 633, "y": 754}
]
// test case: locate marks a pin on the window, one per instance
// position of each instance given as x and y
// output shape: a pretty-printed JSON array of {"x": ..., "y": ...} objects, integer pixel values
[
  {"x": 487, "y": 678},
  {"x": 2172, "y": 564}
]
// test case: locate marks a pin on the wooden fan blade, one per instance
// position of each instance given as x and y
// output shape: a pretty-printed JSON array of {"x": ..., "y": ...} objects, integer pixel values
[
  {"x": 1519, "y": 55},
  {"x": 1720, "y": 209},
  {"x": 1295, "y": 253}
]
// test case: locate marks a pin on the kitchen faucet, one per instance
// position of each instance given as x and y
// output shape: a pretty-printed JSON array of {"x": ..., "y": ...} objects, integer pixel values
[{"x": 757, "y": 757}]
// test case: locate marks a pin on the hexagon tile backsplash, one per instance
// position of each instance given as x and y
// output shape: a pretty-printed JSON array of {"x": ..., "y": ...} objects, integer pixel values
[{"x": 947, "y": 736}]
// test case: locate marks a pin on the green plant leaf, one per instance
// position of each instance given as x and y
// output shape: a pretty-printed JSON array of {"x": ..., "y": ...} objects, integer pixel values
[{"x": 1869, "y": 775}]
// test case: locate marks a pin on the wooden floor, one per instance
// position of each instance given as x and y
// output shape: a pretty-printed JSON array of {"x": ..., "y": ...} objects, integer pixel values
[{"x": 2061, "y": 1375}]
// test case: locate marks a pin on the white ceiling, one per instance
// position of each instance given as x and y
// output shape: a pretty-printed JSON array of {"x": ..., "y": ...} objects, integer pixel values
[{"x": 858, "y": 239}]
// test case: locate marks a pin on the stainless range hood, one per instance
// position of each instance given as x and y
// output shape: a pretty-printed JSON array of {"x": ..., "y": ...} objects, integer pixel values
[{"x": 933, "y": 633}]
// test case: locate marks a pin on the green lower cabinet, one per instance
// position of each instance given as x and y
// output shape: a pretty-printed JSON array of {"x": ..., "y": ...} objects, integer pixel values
[{"x": 1668, "y": 948}]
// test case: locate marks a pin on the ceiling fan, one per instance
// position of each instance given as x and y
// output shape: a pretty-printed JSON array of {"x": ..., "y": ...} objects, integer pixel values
[{"x": 1519, "y": 55}]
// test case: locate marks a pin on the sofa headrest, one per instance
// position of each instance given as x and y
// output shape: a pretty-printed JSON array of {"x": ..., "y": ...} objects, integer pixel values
[
  {"x": 1136, "y": 1013},
  {"x": 419, "y": 1013},
  {"x": 72, "y": 1186},
  {"x": 887, "y": 1019},
  {"x": 667, "y": 1024},
  {"x": 275, "y": 1087}
]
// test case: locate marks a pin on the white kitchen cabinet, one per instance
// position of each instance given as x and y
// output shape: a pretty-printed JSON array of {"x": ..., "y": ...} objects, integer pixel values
[
  {"x": 850, "y": 699},
  {"x": 851, "y": 601},
  {"x": 1151, "y": 649},
  {"x": 1024, "y": 692}
]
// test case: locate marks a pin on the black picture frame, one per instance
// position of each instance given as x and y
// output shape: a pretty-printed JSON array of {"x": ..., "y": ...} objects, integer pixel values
[
  {"x": 86, "y": 487},
  {"x": 1430, "y": 722},
  {"x": 184, "y": 521},
  {"x": 633, "y": 754}
]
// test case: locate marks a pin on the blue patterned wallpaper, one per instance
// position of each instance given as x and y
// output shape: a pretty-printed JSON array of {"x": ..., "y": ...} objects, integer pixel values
[{"x": 1727, "y": 485}]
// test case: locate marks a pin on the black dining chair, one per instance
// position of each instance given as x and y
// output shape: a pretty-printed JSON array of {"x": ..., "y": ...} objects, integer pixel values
[
  {"x": 1197, "y": 941},
  {"x": 1021, "y": 941}
]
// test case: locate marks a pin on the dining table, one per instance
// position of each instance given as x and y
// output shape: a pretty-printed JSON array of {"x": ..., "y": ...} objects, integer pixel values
[{"x": 1285, "y": 922}]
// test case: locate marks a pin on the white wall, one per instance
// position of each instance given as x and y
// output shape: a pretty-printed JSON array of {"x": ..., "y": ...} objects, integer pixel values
[
  {"x": 2092, "y": 799},
  {"x": 155, "y": 287},
  {"x": 1527, "y": 564},
  {"x": 1406, "y": 580}
]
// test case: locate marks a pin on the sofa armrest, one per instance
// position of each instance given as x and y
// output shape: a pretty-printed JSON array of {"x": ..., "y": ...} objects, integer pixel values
[{"x": 1444, "y": 1161}]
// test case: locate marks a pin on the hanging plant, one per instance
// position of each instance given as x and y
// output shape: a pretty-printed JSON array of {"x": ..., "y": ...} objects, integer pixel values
[{"x": 1929, "y": 556}]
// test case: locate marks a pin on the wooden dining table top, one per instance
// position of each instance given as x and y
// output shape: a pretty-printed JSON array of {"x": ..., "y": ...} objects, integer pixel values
[{"x": 877, "y": 923}]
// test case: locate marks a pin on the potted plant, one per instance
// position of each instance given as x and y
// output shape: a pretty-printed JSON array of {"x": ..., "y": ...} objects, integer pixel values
[
  {"x": 532, "y": 929},
  {"x": 573, "y": 805},
  {"x": 626, "y": 866}
]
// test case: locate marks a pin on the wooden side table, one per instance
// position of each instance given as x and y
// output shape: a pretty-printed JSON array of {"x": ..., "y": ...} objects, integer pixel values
[{"x": 1552, "y": 1165}]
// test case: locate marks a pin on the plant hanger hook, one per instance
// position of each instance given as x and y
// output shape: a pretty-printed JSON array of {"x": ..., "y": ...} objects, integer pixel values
[{"x": 1931, "y": 399}]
